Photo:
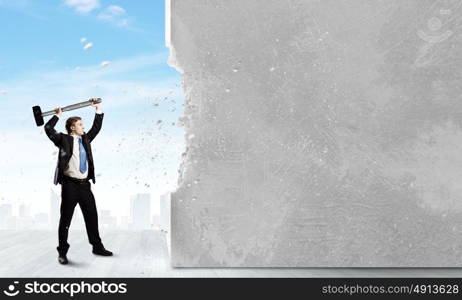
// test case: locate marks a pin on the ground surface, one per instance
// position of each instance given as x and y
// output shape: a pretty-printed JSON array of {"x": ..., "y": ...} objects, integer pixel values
[{"x": 145, "y": 254}]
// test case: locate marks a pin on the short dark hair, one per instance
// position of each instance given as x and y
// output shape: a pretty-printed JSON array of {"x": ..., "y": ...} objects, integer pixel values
[{"x": 70, "y": 122}]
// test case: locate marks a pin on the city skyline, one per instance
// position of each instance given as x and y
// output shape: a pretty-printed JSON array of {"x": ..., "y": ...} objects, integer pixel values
[{"x": 18, "y": 215}]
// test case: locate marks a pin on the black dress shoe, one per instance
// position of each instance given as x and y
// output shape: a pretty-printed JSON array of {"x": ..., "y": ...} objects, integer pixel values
[
  {"x": 62, "y": 259},
  {"x": 101, "y": 251}
]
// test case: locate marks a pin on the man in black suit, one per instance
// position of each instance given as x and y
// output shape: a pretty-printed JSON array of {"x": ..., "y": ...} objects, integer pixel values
[{"x": 74, "y": 171}]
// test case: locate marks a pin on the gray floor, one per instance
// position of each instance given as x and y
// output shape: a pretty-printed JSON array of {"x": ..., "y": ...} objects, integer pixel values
[{"x": 145, "y": 254}]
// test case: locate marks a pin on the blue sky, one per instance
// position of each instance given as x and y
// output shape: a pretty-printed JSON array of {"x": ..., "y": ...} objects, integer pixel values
[
  {"x": 45, "y": 34},
  {"x": 59, "y": 52}
]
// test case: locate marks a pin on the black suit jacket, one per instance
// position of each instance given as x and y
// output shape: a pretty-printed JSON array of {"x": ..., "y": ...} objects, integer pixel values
[{"x": 65, "y": 143}]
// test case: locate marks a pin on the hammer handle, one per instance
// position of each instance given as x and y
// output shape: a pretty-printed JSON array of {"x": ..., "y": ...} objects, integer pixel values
[{"x": 73, "y": 106}]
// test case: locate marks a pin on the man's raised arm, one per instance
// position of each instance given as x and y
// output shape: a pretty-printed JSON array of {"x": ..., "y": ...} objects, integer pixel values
[
  {"x": 97, "y": 122},
  {"x": 52, "y": 134}
]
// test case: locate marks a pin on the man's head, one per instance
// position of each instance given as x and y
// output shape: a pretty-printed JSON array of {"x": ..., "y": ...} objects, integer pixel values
[{"x": 75, "y": 125}]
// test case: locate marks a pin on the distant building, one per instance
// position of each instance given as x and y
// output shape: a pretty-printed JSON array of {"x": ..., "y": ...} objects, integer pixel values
[
  {"x": 24, "y": 210},
  {"x": 140, "y": 211},
  {"x": 24, "y": 219},
  {"x": 155, "y": 223},
  {"x": 6, "y": 213},
  {"x": 105, "y": 220},
  {"x": 55, "y": 203},
  {"x": 165, "y": 218},
  {"x": 164, "y": 221}
]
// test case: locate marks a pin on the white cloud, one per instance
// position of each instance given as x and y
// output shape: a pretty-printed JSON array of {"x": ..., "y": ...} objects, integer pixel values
[
  {"x": 88, "y": 46},
  {"x": 88, "y": 80},
  {"x": 83, "y": 6},
  {"x": 115, "y": 15},
  {"x": 115, "y": 10}
]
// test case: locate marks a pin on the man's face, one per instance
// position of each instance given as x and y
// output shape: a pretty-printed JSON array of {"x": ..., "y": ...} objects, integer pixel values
[{"x": 78, "y": 127}]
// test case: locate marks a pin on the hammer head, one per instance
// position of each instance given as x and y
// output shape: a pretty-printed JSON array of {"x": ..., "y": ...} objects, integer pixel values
[{"x": 38, "y": 115}]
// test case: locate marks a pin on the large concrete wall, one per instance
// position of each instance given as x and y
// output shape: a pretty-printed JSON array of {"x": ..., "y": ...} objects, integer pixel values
[{"x": 320, "y": 133}]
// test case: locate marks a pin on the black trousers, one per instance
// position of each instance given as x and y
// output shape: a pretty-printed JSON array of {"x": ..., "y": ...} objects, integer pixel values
[{"x": 72, "y": 193}]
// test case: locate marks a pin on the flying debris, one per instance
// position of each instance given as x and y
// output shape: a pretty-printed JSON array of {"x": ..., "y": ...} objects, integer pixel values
[
  {"x": 82, "y": 40},
  {"x": 88, "y": 46},
  {"x": 181, "y": 121},
  {"x": 105, "y": 63}
]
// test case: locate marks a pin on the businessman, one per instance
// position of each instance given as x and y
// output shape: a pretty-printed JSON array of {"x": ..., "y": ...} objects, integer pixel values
[{"x": 74, "y": 171}]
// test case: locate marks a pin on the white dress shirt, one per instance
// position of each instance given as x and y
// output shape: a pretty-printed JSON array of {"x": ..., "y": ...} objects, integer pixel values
[{"x": 73, "y": 168}]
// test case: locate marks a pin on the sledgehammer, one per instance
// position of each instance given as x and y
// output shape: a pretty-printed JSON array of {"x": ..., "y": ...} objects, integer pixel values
[{"x": 38, "y": 114}]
